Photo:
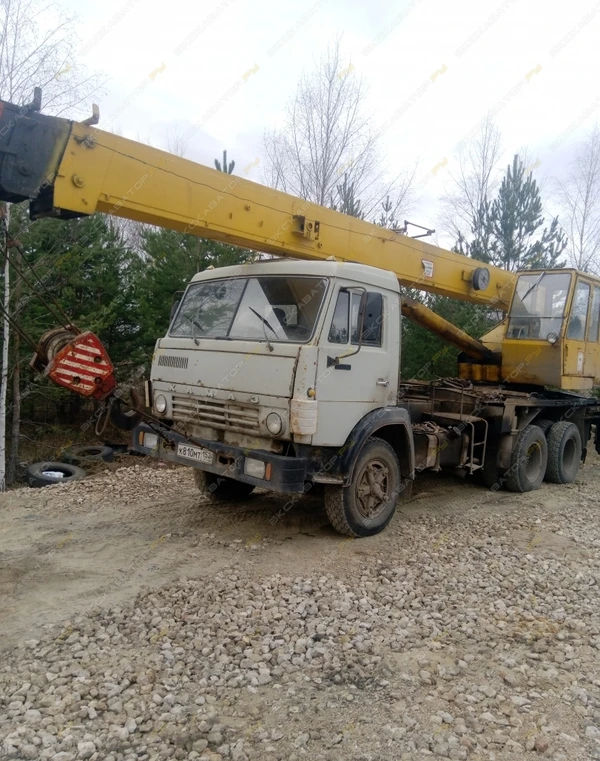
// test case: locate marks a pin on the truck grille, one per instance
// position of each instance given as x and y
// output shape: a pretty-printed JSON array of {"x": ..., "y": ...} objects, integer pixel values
[
  {"x": 214, "y": 413},
  {"x": 169, "y": 360}
]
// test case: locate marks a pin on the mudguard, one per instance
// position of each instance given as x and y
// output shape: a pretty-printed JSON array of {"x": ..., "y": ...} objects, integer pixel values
[{"x": 399, "y": 435}]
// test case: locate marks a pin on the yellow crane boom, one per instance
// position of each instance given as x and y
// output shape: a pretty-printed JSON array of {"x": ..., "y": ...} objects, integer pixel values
[{"x": 68, "y": 168}]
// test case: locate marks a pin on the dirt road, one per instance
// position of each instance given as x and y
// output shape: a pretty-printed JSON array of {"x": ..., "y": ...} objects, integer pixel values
[{"x": 472, "y": 604}]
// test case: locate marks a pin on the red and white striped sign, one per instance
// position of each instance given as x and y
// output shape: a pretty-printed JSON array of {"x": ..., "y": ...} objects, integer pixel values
[{"x": 83, "y": 366}]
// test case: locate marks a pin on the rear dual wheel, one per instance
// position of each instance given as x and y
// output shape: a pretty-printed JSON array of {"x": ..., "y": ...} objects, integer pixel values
[
  {"x": 550, "y": 451},
  {"x": 564, "y": 453},
  {"x": 528, "y": 460}
]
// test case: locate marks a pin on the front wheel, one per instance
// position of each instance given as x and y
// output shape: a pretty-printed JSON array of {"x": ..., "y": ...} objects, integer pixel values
[
  {"x": 220, "y": 488},
  {"x": 367, "y": 505}
]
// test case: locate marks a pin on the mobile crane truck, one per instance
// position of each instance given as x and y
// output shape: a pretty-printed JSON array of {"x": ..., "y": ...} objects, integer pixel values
[{"x": 286, "y": 372}]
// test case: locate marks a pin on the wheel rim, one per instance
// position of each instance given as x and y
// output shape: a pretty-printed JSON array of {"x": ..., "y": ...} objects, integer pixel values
[
  {"x": 372, "y": 488},
  {"x": 533, "y": 461}
]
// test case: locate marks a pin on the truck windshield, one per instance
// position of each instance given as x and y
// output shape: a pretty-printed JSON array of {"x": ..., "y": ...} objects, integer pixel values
[
  {"x": 252, "y": 308},
  {"x": 538, "y": 306}
]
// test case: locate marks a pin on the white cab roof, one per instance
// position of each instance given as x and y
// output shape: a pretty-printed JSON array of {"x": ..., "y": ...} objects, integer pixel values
[{"x": 362, "y": 274}]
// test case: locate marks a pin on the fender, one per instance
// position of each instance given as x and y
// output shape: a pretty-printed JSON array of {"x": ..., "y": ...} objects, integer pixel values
[{"x": 368, "y": 426}]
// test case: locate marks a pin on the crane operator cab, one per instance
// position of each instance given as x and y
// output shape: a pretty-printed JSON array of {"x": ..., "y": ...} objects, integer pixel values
[{"x": 552, "y": 330}]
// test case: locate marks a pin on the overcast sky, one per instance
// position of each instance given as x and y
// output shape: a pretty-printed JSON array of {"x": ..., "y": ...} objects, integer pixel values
[{"x": 434, "y": 68}]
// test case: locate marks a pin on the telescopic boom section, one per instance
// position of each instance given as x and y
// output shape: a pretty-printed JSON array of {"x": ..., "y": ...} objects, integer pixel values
[{"x": 69, "y": 169}]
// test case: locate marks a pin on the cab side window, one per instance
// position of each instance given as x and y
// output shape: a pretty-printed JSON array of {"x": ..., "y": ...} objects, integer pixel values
[
  {"x": 372, "y": 325},
  {"x": 594, "y": 315},
  {"x": 346, "y": 317},
  {"x": 338, "y": 332},
  {"x": 579, "y": 309}
]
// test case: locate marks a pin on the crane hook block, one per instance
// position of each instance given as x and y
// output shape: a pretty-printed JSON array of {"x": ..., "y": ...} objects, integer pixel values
[{"x": 80, "y": 364}]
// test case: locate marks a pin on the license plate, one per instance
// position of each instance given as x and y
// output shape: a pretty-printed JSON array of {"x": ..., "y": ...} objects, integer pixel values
[{"x": 198, "y": 454}]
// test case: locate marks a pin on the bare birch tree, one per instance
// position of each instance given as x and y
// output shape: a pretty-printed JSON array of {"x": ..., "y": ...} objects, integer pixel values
[
  {"x": 474, "y": 181},
  {"x": 37, "y": 49},
  {"x": 328, "y": 136},
  {"x": 578, "y": 198},
  {"x": 5, "y": 216}
]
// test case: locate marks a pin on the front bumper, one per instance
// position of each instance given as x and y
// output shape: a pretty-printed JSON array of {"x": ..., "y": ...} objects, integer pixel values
[{"x": 288, "y": 474}]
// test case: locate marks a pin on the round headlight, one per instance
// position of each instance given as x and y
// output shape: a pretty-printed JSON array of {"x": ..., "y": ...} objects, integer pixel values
[
  {"x": 160, "y": 403},
  {"x": 274, "y": 423}
]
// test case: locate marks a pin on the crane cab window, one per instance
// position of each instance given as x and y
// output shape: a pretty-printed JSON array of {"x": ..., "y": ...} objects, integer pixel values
[
  {"x": 346, "y": 318},
  {"x": 538, "y": 306},
  {"x": 579, "y": 310},
  {"x": 592, "y": 334}
]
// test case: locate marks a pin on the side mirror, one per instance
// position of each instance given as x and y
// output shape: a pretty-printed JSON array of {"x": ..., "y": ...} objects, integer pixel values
[{"x": 177, "y": 296}]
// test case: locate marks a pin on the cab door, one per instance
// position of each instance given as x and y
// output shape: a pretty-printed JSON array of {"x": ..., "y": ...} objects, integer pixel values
[
  {"x": 365, "y": 376},
  {"x": 592, "y": 348},
  {"x": 580, "y": 356}
]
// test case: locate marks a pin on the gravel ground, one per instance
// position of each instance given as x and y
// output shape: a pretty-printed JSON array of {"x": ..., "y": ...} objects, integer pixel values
[{"x": 470, "y": 629}]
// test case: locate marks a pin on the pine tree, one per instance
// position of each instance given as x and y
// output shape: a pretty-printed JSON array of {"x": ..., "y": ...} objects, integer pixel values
[
  {"x": 510, "y": 232},
  {"x": 388, "y": 218},
  {"x": 224, "y": 167},
  {"x": 482, "y": 230},
  {"x": 171, "y": 260},
  {"x": 346, "y": 201},
  {"x": 91, "y": 273}
]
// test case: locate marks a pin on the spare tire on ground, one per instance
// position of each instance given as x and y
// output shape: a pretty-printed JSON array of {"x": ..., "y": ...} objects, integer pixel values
[
  {"x": 47, "y": 473},
  {"x": 94, "y": 452}
]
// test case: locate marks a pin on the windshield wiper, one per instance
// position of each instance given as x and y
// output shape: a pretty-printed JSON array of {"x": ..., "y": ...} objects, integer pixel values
[
  {"x": 532, "y": 286},
  {"x": 195, "y": 324},
  {"x": 266, "y": 324}
]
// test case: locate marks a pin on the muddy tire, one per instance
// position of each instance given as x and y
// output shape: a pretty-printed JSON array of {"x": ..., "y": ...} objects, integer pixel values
[
  {"x": 368, "y": 504},
  {"x": 564, "y": 453},
  {"x": 47, "y": 473},
  {"x": 528, "y": 460},
  {"x": 220, "y": 488}
]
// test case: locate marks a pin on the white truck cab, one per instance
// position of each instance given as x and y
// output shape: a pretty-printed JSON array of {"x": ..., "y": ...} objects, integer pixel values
[{"x": 274, "y": 373}]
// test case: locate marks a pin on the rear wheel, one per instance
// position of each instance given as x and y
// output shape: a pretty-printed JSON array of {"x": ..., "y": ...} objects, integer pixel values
[
  {"x": 220, "y": 488},
  {"x": 367, "y": 505},
  {"x": 564, "y": 453},
  {"x": 528, "y": 460}
]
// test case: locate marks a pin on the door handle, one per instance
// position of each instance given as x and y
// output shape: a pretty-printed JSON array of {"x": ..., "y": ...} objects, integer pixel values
[{"x": 382, "y": 382}]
